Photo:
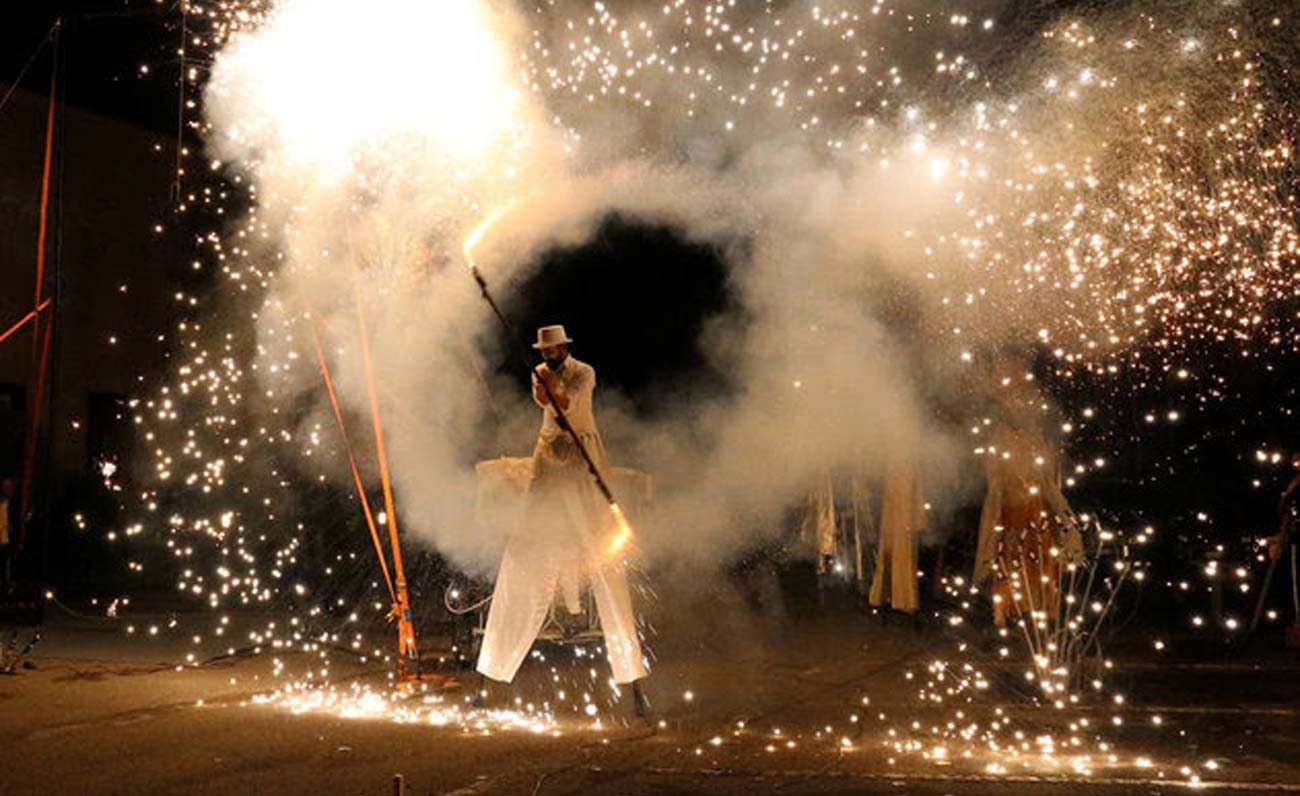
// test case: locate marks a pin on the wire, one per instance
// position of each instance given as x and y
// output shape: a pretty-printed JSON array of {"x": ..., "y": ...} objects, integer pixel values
[
  {"x": 75, "y": 614},
  {"x": 180, "y": 101},
  {"x": 446, "y": 602},
  {"x": 49, "y": 37}
]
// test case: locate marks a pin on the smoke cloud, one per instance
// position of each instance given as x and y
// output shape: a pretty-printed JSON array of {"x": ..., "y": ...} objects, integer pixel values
[{"x": 375, "y": 151}]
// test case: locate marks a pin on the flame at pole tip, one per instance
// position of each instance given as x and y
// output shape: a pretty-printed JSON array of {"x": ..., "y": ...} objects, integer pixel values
[
  {"x": 481, "y": 229},
  {"x": 623, "y": 534}
]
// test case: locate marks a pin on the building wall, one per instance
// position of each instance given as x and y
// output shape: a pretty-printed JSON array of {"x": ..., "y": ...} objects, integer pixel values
[{"x": 115, "y": 272}]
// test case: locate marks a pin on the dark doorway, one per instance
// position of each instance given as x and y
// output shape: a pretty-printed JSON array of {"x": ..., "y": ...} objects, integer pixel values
[{"x": 13, "y": 427}]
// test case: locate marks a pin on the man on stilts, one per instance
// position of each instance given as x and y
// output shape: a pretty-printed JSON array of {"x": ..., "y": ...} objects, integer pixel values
[{"x": 563, "y": 536}]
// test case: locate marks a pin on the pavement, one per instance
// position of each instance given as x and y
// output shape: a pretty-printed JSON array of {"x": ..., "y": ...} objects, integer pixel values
[{"x": 743, "y": 699}]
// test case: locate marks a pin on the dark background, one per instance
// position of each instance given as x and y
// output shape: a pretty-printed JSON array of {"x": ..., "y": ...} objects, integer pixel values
[{"x": 106, "y": 42}]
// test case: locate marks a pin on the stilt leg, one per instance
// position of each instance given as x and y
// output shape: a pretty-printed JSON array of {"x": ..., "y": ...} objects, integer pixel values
[{"x": 639, "y": 701}]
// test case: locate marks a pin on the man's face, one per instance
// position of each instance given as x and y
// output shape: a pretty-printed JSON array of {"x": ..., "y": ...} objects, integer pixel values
[{"x": 554, "y": 355}]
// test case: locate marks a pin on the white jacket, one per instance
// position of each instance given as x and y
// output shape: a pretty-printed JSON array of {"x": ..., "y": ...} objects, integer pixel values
[{"x": 577, "y": 381}]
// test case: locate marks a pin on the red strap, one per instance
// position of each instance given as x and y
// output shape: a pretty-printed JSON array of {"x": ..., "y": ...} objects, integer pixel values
[
  {"x": 352, "y": 460},
  {"x": 26, "y": 319}
]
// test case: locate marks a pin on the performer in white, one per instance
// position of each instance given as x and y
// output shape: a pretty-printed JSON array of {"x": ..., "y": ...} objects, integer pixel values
[
  {"x": 564, "y": 535},
  {"x": 902, "y": 521}
]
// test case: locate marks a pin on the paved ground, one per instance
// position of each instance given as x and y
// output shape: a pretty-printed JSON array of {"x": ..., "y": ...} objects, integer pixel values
[{"x": 742, "y": 702}]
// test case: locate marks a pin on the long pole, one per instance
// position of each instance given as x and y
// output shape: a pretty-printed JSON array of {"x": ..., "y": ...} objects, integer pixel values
[{"x": 352, "y": 460}]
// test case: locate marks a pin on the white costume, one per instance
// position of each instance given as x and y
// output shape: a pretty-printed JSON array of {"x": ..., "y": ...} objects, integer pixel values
[
  {"x": 820, "y": 527},
  {"x": 1024, "y": 536},
  {"x": 563, "y": 536},
  {"x": 902, "y": 519}
]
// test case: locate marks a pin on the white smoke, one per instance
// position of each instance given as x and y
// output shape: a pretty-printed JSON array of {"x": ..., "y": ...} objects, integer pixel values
[{"x": 379, "y": 134}]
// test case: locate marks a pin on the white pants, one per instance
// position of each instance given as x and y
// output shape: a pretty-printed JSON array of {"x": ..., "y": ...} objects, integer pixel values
[{"x": 533, "y": 567}]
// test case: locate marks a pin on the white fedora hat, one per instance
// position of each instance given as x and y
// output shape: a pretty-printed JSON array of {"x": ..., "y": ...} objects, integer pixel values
[{"x": 548, "y": 336}]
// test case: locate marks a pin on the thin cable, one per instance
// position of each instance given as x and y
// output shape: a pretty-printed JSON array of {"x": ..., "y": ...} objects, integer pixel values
[
  {"x": 75, "y": 614},
  {"x": 49, "y": 36},
  {"x": 56, "y": 361},
  {"x": 446, "y": 603},
  {"x": 180, "y": 102}
]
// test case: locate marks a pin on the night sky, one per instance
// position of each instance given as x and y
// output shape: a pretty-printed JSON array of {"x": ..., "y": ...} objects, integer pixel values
[{"x": 104, "y": 44}]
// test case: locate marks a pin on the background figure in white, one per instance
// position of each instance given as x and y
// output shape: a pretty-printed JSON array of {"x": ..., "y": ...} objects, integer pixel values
[
  {"x": 863, "y": 523},
  {"x": 564, "y": 533},
  {"x": 1026, "y": 533},
  {"x": 902, "y": 520},
  {"x": 820, "y": 529}
]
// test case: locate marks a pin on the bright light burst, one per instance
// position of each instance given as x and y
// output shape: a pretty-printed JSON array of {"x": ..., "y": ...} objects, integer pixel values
[{"x": 318, "y": 81}]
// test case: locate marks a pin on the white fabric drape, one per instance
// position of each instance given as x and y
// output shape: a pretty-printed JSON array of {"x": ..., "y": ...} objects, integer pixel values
[
  {"x": 902, "y": 519},
  {"x": 820, "y": 526}
]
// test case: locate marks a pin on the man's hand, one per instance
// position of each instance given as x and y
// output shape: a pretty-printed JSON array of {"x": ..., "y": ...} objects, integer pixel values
[{"x": 543, "y": 374}]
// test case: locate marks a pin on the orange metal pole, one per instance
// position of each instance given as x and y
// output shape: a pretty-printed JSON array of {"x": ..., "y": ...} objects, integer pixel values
[
  {"x": 45, "y": 188},
  {"x": 40, "y": 351},
  {"x": 352, "y": 462},
  {"x": 402, "y": 610},
  {"x": 408, "y": 652}
]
